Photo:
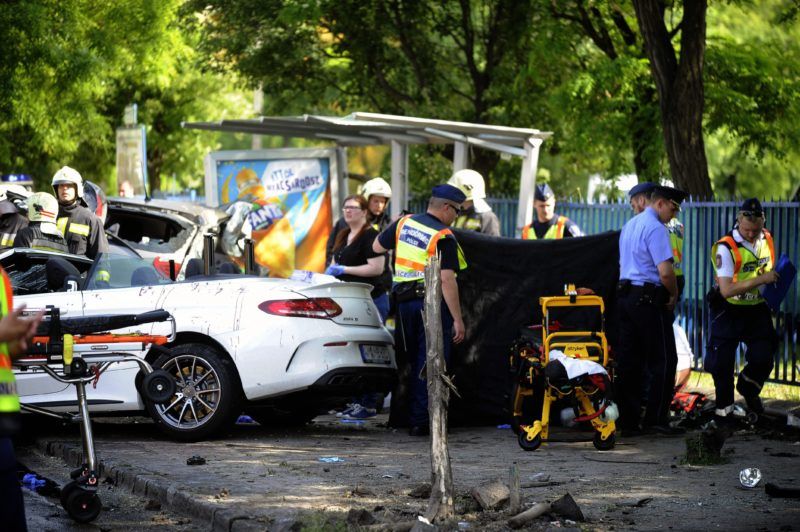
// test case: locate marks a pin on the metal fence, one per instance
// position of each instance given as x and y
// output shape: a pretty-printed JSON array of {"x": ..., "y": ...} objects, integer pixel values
[{"x": 705, "y": 223}]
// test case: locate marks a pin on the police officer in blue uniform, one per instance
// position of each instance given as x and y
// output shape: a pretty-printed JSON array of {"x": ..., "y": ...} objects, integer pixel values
[
  {"x": 415, "y": 238},
  {"x": 646, "y": 296}
]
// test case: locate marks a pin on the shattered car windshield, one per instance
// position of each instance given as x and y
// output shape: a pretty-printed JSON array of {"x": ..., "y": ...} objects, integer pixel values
[{"x": 115, "y": 271}]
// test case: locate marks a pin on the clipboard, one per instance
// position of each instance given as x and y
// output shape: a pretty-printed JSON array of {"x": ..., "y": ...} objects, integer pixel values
[{"x": 775, "y": 293}]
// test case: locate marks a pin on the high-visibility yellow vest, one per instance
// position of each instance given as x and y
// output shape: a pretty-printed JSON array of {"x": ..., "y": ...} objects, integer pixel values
[
  {"x": 747, "y": 265},
  {"x": 675, "y": 228},
  {"x": 9, "y": 400},
  {"x": 555, "y": 231},
  {"x": 414, "y": 243}
]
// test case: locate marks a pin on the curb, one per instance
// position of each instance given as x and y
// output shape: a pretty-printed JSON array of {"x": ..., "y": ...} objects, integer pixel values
[{"x": 218, "y": 518}]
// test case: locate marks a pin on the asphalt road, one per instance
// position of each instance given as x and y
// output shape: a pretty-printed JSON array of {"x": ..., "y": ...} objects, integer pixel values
[{"x": 330, "y": 473}]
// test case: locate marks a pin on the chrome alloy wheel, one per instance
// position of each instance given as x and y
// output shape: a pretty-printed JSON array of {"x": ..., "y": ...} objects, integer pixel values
[{"x": 197, "y": 393}]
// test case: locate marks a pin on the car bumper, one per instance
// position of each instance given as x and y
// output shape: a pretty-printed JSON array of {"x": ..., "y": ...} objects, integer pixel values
[{"x": 332, "y": 364}]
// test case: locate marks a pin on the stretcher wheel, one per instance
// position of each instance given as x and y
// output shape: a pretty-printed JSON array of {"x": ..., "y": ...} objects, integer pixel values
[
  {"x": 81, "y": 504},
  {"x": 529, "y": 445},
  {"x": 158, "y": 386},
  {"x": 66, "y": 490},
  {"x": 604, "y": 445}
]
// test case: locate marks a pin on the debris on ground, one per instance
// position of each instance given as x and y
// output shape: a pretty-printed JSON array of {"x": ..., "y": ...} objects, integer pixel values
[
  {"x": 491, "y": 495},
  {"x": 195, "y": 460}
]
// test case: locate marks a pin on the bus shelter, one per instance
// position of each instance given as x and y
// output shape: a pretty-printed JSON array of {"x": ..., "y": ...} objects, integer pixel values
[{"x": 400, "y": 133}]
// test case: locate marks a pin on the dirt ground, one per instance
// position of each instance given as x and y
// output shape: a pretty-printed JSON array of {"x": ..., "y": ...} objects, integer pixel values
[{"x": 277, "y": 479}]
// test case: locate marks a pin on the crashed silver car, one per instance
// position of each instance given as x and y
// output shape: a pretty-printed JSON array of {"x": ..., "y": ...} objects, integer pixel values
[{"x": 167, "y": 230}]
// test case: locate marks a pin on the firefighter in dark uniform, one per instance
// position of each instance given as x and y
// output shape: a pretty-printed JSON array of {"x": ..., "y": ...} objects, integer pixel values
[
  {"x": 15, "y": 332},
  {"x": 42, "y": 232},
  {"x": 414, "y": 239},
  {"x": 744, "y": 260},
  {"x": 646, "y": 296},
  {"x": 546, "y": 223},
  {"x": 81, "y": 228},
  {"x": 476, "y": 215},
  {"x": 12, "y": 213}
]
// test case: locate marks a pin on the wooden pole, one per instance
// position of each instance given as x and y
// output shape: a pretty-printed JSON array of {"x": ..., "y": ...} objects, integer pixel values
[
  {"x": 440, "y": 504},
  {"x": 513, "y": 488}
]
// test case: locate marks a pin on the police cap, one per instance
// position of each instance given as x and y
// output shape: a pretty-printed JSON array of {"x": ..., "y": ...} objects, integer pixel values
[
  {"x": 752, "y": 208},
  {"x": 448, "y": 192},
  {"x": 672, "y": 194},
  {"x": 543, "y": 192},
  {"x": 642, "y": 188}
]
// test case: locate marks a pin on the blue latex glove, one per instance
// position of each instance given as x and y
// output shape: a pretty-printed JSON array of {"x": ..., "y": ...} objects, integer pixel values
[{"x": 335, "y": 269}]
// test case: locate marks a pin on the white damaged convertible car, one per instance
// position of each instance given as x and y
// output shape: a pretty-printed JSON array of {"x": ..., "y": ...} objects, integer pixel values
[{"x": 280, "y": 350}]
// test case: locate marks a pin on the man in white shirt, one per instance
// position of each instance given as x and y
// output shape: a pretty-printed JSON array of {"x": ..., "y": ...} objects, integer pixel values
[{"x": 744, "y": 260}]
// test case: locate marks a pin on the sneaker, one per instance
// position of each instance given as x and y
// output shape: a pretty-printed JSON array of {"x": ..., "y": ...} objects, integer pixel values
[
  {"x": 348, "y": 410},
  {"x": 359, "y": 412}
]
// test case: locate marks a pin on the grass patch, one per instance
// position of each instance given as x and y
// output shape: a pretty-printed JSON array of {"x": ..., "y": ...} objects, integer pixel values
[
  {"x": 772, "y": 390},
  {"x": 322, "y": 522},
  {"x": 703, "y": 449}
]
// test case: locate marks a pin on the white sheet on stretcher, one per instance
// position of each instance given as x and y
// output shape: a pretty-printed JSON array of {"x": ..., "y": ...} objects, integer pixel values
[{"x": 577, "y": 367}]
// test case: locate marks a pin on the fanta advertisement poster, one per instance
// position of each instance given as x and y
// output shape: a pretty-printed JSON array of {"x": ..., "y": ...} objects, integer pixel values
[{"x": 290, "y": 209}]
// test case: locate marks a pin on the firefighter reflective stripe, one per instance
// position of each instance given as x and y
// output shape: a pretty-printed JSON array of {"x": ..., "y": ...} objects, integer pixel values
[
  {"x": 9, "y": 400},
  {"x": 7, "y": 239},
  {"x": 554, "y": 232},
  {"x": 747, "y": 265},
  {"x": 414, "y": 243},
  {"x": 79, "y": 229},
  {"x": 472, "y": 223},
  {"x": 65, "y": 226},
  {"x": 61, "y": 223}
]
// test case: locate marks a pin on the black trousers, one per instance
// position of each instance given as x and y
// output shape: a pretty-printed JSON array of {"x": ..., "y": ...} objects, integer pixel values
[
  {"x": 12, "y": 508},
  {"x": 730, "y": 326},
  {"x": 646, "y": 349}
]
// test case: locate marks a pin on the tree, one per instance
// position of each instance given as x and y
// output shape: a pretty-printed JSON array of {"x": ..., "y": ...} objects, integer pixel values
[
  {"x": 679, "y": 81},
  {"x": 452, "y": 60},
  {"x": 69, "y": 67}
]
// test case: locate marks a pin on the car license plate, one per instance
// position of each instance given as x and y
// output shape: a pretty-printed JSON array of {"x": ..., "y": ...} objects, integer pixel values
[{"x": 375, "y": 354}]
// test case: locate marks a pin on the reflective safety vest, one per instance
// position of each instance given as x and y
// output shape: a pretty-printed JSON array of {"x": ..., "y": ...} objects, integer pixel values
[
  {"x": 555, "y": 231},
  {"x": 747, "y": 265},
  {"x": 9, "y": 400},
  {"x": 675, "y": 228},
  {"x": 471, "y": 222},
  {"x": 414, "y": 243}
]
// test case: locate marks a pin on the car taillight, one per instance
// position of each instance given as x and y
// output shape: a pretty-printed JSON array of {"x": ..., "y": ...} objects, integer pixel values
[
  {"x": 163, "y": 267},
  {"x": 320, "y": 307}
]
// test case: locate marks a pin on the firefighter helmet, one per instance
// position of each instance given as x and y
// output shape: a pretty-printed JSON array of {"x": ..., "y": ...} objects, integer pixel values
[
  {"x": 42, "y": 207},
  {"x": 376, "y": 187},
  {"x": 68, "y": 176},
  {"x": 470, "y": 182}
]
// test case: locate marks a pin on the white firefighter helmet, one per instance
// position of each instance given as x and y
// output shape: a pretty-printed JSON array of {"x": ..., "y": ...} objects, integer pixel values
[
  {"x": 472, "y": 185},
  {"x": 376, "y": 187},
  {"x": 68, "y": 176},
  {"x": 42, "y": 207}
]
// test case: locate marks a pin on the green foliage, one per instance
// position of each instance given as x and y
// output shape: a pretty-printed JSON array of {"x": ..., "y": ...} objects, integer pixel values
[{"x": 69, "y": 68}]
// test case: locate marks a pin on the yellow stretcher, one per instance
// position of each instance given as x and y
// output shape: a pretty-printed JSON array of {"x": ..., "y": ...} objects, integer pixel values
[{"x": 588, "y": 395}]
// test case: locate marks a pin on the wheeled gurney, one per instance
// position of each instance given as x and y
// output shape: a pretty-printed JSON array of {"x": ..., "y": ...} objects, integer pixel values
[{"x": 78, "y": 351}]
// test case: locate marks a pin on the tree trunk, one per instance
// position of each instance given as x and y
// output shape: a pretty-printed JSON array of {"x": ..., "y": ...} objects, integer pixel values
[
  {"x": 680, "y": 90},
  {"x": 440, "y": 505}
]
